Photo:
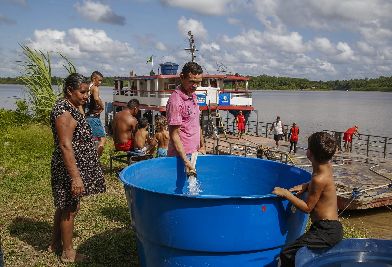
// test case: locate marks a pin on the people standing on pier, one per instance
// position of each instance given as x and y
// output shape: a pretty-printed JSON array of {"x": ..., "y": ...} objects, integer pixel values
[
  {"x": 183, "y": 116},
  {"x": 161, "y": 136},
  {"x": 94, "y": 108},
  {"x": 75, "y": 168},
  {"x": 277, "y": 127},
  {"x": 348, "y": 138},
  {"x": 293, "y": 137},
  {"x": 240, "y": 124},
  {"x": 321, "y": 201},
  {"x": 124, "y": 126}
]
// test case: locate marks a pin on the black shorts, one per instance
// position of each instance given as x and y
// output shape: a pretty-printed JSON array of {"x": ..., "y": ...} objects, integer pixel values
[
  {"x": 321, "y": 234},
  {"x": 278, "y": 137}
]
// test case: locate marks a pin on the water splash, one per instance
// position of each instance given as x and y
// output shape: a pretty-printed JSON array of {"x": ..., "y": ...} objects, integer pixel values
[{"x": 194, "y": 187}]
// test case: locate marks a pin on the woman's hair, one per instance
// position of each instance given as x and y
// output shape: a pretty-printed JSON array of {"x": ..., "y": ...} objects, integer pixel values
[
  {"x": 322, "y": 145},
  {"x": 160, "y": 123},
  {"x": 73, "y": 82}
]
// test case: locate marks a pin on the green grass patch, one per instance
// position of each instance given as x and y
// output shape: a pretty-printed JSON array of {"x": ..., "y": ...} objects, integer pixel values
[{"x": 102, "y": 228}]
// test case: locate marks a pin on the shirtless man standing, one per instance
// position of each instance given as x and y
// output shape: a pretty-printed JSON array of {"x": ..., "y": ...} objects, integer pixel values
[
  {"x": 124, "y": 126},
  {"x": 94, "y": 108}
]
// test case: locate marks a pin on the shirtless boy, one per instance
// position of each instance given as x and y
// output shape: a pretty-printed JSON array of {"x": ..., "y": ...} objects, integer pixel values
[
  {"x": 321, "y": 201},
  {"x": 143, "y": 143},
  {"x": 162, "y": 136},
  {"x": 124, "y": 126}
]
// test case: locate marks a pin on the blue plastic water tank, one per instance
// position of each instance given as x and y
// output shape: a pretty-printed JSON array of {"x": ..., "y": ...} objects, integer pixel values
[
  {"x": 169, "y": 68},
  {"x": 234, "y": 221},
  {"x": 348, "y": 253}
]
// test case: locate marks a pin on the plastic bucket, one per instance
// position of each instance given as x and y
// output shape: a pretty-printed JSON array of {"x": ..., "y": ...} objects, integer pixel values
[
  {"x": 234, "y": 221},
  {"x": 348, "y": 253}
]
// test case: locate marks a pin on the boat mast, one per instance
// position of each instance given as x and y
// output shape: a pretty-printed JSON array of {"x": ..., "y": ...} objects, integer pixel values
[{"x": 192, "y": 46}]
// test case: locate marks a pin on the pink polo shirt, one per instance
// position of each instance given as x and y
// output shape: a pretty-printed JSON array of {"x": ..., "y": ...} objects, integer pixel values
[{"x": 183, "y": 110}]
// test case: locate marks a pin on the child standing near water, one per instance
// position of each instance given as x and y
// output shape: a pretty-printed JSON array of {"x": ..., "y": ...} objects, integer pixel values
[{"x": 321, "y": 202}]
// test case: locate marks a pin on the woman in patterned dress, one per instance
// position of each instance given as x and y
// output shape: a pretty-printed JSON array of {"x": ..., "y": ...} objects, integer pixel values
[{"x": 75, "y": 168}]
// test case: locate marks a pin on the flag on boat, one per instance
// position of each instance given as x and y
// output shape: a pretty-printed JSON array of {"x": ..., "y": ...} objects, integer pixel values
[{"x": 150, "y": 60}]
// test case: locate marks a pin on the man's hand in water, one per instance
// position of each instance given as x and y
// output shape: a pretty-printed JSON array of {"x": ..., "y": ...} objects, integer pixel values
[
  {"x": 299, "y": 189},
  {"x": 189, "y": 168},
  {"x": 281, "y": 192}
]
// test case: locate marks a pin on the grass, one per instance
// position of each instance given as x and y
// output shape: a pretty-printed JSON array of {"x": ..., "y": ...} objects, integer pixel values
[{"x": 102, "y": 229}]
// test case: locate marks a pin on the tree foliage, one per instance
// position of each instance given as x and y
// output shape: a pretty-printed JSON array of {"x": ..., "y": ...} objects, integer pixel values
[
  {"x": 37, "y": 77},
  {"x": 266, "y": 82}
]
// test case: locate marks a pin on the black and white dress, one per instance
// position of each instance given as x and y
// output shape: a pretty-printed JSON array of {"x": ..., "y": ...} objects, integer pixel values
[{"x": 86, "y": 159}]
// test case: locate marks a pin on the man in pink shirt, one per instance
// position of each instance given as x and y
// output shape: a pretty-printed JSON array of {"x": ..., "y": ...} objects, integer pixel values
[{"x": 183, "y": 116}]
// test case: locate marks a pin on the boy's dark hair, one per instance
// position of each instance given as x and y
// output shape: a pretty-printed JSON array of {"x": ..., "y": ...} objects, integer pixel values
[
  {"x": 191, "y": 67},
  {"x": 73, "y": 82},
  {"x": 133, "y": 103},
  {"x": 143, "y": 123},
  {"x": 96, "y": 73},
  {"x": 322, "y": 145}
]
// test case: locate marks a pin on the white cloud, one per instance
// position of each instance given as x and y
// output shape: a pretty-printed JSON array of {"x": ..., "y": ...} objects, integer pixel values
[
  {"x": 95, "y": 11},
  {"x": 83, "y": 45},
  {"x": 197, "y": 28},
  {"x": 324, "y": 46},
  {"x": 234, "y": 21},
  {"x": 160, "y": 46},
  {"x": 207, "y": 7},
  {"x": 209, "y": 47},
  {"x": 365, "y": 48},
  {"x": 346, "y": 53}
]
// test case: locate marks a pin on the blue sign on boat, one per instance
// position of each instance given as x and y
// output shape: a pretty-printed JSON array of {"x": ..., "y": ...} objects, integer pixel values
[
  {"x": 224, "y": 99},
  {"x": 201, "y": 100}
]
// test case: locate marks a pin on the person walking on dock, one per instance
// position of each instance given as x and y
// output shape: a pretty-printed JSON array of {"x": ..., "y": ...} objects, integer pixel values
[
  {"x": 293, "y": 137},
  {"x": 320, "y": 203},
  {"x": 183, "y": 115},
  {"x": 277, "y": 126},
  {"x": 240, "y": 124},
  {"x": 348, "y": 138}
]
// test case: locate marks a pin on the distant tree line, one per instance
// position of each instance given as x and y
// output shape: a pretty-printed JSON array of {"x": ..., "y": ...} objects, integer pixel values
[
  {"x": 265, "y": 82},
  {"x": 107, "y": 81}
]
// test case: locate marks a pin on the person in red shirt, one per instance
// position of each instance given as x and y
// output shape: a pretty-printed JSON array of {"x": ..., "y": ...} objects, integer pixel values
[
  {"x": 348, "y": 137},
  {"x": 293, "y": 136},
  {"x": 240, "y": 123}
]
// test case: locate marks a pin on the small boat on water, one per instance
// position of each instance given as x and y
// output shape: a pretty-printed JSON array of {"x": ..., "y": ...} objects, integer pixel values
[{"x": 217, "y": 91}]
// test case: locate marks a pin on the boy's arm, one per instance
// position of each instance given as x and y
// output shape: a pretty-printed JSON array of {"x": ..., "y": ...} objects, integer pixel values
[{"x": 315, "y": 188}]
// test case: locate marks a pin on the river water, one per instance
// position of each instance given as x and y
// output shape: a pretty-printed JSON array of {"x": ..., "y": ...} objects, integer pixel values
[{"x": 312, "y": 111}]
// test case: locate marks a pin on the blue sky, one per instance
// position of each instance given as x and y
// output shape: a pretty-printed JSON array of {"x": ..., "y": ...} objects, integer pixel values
[{"x": 317, "y": 40}]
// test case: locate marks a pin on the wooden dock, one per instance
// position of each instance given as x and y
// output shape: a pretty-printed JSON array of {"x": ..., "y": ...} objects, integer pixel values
[{"x": 362, "y": 182}]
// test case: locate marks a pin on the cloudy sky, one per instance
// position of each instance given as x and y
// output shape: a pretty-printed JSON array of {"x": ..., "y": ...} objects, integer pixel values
[{"x": 314, "y": 39}]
